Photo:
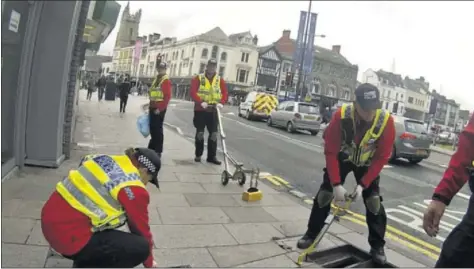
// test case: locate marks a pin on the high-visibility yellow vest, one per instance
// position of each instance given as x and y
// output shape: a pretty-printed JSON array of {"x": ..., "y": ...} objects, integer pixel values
[
  {"x": 156, "y": 93},
  {"x": 307, "y": 98},
  {"x": 92, "y": 189},
  {"x": 210, "y": 92},
  {"x": 361, "y": 155}
]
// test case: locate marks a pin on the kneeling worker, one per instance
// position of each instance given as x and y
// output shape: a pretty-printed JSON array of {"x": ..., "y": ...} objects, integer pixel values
[
  {"x": 207, "y": 90},
  {"x": 81, "y": 217},
  {"x": 358, "y": 139}
]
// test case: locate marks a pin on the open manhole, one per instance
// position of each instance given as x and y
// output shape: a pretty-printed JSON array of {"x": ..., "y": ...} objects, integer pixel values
[
  {"x": 184, "y": 162},
  {"x": 346, "y": 256}
]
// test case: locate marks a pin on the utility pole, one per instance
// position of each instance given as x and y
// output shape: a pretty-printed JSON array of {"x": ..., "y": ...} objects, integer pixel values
[{"x": 300, "y": 69}]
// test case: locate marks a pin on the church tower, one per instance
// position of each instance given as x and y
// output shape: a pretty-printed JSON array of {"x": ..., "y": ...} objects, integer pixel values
[{"x": 128, "y": 30}]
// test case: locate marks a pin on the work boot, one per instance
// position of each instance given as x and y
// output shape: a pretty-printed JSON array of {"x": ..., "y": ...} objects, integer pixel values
[
  {"x": 214, "y": 161},
  {"x": 197, "y": 159},
  {"x": 305, "y": 241},
  {"x": 378, "y": 256}
]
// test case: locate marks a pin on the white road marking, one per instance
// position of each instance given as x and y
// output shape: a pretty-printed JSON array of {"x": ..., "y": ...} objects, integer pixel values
[
  {"x": 230, "y": 113},
  {"x": 172, "y": 105},
  {"x": 264, "y": 174},
  {"x": 464, "y": 196},
  {"x": 387, "y": 166}
]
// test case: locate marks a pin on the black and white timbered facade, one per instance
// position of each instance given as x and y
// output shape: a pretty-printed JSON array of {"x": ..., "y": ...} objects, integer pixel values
[{"x": 268, "y": 68}]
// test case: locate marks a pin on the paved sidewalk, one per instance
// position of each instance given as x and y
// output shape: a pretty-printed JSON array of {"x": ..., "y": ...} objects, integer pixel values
[
  {"x": 442, "y": 150},
  {"x": 194, "y": 219}
]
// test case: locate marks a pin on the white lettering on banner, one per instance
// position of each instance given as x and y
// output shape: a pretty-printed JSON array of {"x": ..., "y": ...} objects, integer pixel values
[{"x": 416, "y": 223}]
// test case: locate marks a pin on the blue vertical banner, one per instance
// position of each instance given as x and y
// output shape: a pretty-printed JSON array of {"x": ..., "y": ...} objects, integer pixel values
[
  {"x": 308, "y": 55},
  {"x": 299, "y": 41}
]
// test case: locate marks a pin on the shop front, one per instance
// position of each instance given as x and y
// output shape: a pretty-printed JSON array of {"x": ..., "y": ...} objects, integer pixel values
[{"x": 38, "y": 80}]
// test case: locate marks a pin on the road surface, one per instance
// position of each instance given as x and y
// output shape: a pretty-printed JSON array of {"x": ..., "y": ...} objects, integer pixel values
[{"x": 298, "y": 158}]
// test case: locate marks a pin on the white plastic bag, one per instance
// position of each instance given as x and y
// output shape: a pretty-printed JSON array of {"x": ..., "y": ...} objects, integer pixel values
[{"x": 143, "y": 124}]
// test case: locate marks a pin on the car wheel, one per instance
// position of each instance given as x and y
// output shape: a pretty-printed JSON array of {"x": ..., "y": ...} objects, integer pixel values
[
  {"x": 269, "y": 121},
  {"x": 415, "y": 161},
  {"x": 314, "y": 133},
  {"x": 289, "y": 127},
  {"x": 393, "y": 157}
]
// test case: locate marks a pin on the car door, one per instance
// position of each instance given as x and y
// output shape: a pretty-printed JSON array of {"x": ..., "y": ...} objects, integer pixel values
[
  {"x": 288, "y": 113},
  {"x": 277, "y": 113}
]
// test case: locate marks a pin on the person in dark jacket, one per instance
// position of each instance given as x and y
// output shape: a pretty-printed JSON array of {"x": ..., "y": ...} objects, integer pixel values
[
  {"x": 101, "y": 87},
  {"x": 90, "y": 88},
  {"x": 124, "y": 89},
  {"x": 458, "y": 248}
]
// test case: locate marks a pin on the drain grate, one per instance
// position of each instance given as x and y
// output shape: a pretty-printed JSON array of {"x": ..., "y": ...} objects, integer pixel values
[{"x": 184, "y": 162}]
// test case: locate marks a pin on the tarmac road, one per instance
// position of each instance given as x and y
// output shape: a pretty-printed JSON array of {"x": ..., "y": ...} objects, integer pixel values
[{"x": 298, "y": 158}]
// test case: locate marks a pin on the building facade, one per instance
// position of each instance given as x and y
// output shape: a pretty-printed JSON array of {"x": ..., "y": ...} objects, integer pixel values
[
  {"x": 418, "y": 98},
  {"x": 392, "y": 92},
  {"x": 237, "y": 57},
  {"x": 268, "y": 68},
  {"x": 445, "y": 112},
  {"x": 333, "y": 78}
]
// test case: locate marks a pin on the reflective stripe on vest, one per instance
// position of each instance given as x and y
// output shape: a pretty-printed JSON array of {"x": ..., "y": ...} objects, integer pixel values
[
  {"x": 361, "y": 154},
  {"x": 156, "y": 93},
  {"x": 210, "y": 92},
  {"x": 92, "y": 189}
]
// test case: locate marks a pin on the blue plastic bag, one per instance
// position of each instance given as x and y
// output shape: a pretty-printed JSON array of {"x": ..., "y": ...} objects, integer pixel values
[{"x": 143, "y": 124}]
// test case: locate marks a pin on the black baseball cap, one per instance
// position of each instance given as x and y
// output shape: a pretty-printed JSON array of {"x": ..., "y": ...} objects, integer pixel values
[
  {"x": 151, "y": 160},
  {"x": 367, "y": 96},
  {"x": 212, "y": 62}
]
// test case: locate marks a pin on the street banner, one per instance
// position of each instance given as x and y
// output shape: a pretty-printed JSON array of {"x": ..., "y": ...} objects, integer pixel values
[
  {"x": 308, "y": 56},
  {"x": 138, "y": 51},
  {"x": 299, "y": 41}
]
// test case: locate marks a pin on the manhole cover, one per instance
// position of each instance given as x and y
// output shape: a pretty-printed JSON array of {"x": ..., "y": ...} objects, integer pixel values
[{"x": 183, "y": 162}]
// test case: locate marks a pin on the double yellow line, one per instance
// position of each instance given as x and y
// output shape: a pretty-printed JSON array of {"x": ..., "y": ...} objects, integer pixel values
[
  {"x": 276, "y": 180},
  {"x": 398, "y": 236}
]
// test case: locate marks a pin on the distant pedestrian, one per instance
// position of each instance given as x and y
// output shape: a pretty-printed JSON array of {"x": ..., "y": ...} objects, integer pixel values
[
  {"x": 90, "y": 88},
  {"x": 124, "y": 89},
  {"x": 101, "y": 87}
]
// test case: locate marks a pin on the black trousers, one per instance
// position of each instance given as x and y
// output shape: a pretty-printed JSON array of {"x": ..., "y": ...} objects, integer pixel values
[
  {"x": 156, "y": 131},
  {"x": 100, "y": 92},
  {"x": 123, "y": 103},
  {"x": 458, "y": 248},
  {"x": 377, "y": 223},
  {"x": 112, "y": 249},
  {"x": 201, "y": 121},
  {"x": 89, "y": 93}
]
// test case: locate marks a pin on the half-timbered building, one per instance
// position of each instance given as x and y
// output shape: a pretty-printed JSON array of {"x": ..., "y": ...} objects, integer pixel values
[{"x": 268, "y": 68}]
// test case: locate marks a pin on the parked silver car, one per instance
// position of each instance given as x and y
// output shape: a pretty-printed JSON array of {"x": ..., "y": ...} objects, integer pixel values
[
  {"x": 296, "y": 116},
  {"x": 411, "y": 140},
  {"x": 445, "y": 138}
]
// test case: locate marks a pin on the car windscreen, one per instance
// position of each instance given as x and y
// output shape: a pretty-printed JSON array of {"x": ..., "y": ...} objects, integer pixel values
[
  {"x": 308, "y": 109},
  {"x": 414, "y": 127}
]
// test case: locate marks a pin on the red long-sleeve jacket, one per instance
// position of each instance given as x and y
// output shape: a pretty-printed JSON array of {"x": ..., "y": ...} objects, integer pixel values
[
  {"x": 332, "y": 141},
  {"x": 162, "y": 105},
  {"x": 456, "y": 175},
  {"x": 195, "y": 84},
  {"x": 68, "y": 230}
]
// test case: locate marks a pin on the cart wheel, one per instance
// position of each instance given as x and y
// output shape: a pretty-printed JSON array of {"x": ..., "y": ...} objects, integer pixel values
[
  {"x": 240, "y": 177},
  {"x": 225, "y": 176}
]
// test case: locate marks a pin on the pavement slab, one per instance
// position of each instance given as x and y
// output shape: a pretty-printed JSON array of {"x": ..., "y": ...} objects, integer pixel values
[
  {"x": 248, "y": 214},
  {"x": 196, "y": 257},
  {"x": 18, "y": 230},
  {"x": 180, "y": 187},
  {"x": 206, "y": 199},
  {"x": 288, "y": 213},
  {"x": 192, "y": 215},
  {"x": 251, "y": 233},
  {"x": 14, "y": 255},
  {"x": 280, "y": 261},
  {"x": 191, "y": 236},
  {"x": 198, "y": 178},
  {"x": 291, "y": 228},
  {"x": 168, "y": 200},
  {"x": 22, "y": 208},
  {"x": 272, "y": 199},
  {"x": 231, "y": 256},
  {"x": 54, "y": 262},
  {"x": 36, "y": 236}
]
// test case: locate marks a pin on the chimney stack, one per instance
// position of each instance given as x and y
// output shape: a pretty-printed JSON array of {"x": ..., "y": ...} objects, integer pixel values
[
  {"x": 156, "y": 36},
  {"x": 336, "y": 49},
  {"x": 286, "y": 33},
  {"x": 150, "y": 38},
  {"x": 255, "y": 40}
]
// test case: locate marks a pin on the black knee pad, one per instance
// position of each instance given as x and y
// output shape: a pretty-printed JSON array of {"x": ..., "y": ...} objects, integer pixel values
[
  {"x": 324, "y": 198},
  {"x": 200, "y": 136},
  {"x": 213, "y": 136},
  {"x": 373, "y": 204}
]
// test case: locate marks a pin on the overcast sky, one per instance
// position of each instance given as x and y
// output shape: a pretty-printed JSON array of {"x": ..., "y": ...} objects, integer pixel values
[{"x": 430, "y": 39}]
